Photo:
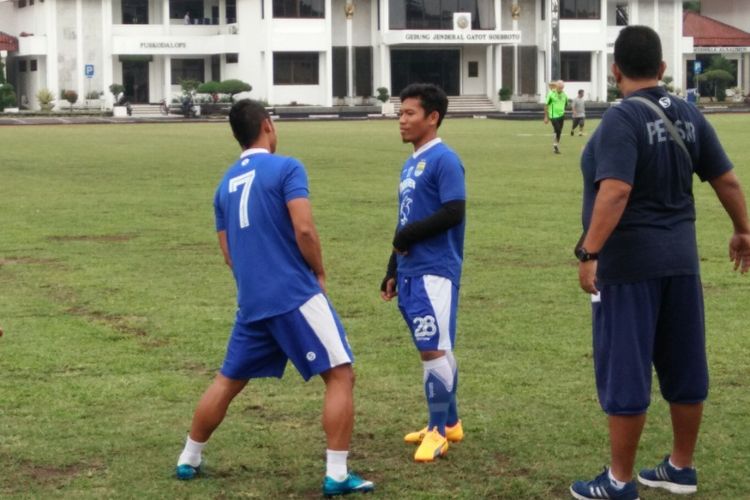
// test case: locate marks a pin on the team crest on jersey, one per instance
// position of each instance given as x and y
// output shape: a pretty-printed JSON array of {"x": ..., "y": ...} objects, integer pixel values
[
  {"x": 420, "y": 168},
  {"x": 245, "y": 162},
  {"x": 665, "y": 102}
]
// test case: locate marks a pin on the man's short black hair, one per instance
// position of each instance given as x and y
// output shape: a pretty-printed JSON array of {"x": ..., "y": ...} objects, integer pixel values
[
  {"x": 246, "y": 118},
  {"x": 638, "y": 52},
  {"x": 431, "y": 97}
]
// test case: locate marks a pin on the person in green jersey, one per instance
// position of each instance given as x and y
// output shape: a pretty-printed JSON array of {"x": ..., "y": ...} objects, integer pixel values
[{"x": 554, "y": 111}]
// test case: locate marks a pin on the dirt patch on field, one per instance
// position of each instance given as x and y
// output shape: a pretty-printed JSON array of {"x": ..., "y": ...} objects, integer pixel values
[
  {"x": 25, "y": 260},
  {"x": 122, "y": 324},
  {"x": 99, "y": 238},
  {"x": 57, "y": 475}
]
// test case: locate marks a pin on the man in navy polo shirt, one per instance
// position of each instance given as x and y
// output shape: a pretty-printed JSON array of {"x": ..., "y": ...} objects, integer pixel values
[{"x": 639, "y": 260}]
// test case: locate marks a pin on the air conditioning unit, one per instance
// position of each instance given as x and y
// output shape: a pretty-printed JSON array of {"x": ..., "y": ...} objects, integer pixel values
[{"x": 462, "y": 21}]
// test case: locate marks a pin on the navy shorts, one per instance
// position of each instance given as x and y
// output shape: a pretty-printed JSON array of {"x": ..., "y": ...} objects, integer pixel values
[
  {"x": 311, "y": 337},
  {"x": 660, "y": 322},
  {"x": 428, "y": 304}
]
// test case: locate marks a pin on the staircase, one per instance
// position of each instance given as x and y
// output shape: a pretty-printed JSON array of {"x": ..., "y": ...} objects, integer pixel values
[
  {"x": 146, "y": 110},
  {"x": 462, "y": 105}
]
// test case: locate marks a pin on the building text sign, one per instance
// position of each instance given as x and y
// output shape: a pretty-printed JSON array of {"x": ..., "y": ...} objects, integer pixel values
[
  {"x": 451, "y": 37},
  {"x": 713, "y": 50}
]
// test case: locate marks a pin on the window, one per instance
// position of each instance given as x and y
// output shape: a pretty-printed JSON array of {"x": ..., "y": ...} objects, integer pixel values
[
  {"x": 363, "y": 71},
  {"x": 339, "y": 72},
  {"x": 187, "y": 69},
  {"x": 233, "y": 58},
  {"x": 21, "y": 4},
  {"x": 32, "y": 65},
  {"x": 295, "y": 68},
  {"x": 299, "y": 8},
  {"x": 232, "y": 11},
  {"x": 580, "y": 9},
  {"x": 575, "y": 66},
  {"x": 621, "y": 14},
  {"x": 438, "y": 14},
  {"x": 473, "y": 69},
  {"x": 178, "y": 9},
  {"x": 21, "y": 66},
  {"x": 543, "y": 9},
  {"x": 135, "y": 12}
]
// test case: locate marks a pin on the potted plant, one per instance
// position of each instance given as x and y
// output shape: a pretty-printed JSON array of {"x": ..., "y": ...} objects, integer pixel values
[
  {"x": 386, "y": 106},
  {"x": 46, "y": 99},
  {"x": 506, "y": 105},
  {"x": 71, "y": 96},
  {"x": 120, "y": 108}
]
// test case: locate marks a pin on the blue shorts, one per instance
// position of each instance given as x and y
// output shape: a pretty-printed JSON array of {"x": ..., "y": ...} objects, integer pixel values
[
  {"x": 660, "y": 322},
  {"x": 311, "y": 337},
  {"x": 428, "y": 304}
]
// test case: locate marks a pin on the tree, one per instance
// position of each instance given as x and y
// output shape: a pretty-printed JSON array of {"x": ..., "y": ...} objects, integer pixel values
[
  {"x": 694, "y": 6},
  {"x": 7, "y": 93},
  {"x": 719, "y": 75},
  {"x": 232, "y": 87}
]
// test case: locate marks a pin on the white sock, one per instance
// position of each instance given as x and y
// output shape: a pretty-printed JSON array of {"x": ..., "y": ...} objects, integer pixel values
[
  {"x": 617, "y": 484},
  {"x": 191, "y": 454},
  {"x": 673, "y": 465},
  {"x": 441, "y": 368},
  {"x": 336, "y": 464}
]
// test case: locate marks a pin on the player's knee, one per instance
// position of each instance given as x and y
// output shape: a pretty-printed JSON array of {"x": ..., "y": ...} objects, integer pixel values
[{"x": 342, "y": 374}]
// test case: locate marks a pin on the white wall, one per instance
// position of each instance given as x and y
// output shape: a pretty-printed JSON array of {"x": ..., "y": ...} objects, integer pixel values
[
  {"x": 477, "y": 85},
  {"x": 733, "y": 12}
]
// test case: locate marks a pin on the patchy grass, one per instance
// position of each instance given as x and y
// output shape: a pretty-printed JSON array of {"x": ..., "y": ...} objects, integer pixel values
[{"x": 116, "y": 307}]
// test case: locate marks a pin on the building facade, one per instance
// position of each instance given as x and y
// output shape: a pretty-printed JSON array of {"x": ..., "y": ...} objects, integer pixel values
[{"x": 325, "y": 52}]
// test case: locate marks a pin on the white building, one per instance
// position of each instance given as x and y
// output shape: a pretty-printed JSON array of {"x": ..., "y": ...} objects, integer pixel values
[{"x": 324, "y": 52}]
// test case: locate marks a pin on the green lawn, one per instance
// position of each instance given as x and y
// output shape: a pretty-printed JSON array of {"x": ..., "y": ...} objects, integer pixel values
[{"x": 116, "y": 307}]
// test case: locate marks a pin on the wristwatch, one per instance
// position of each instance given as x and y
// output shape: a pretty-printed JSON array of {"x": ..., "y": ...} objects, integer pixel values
[{"x": 583, "y": 255}]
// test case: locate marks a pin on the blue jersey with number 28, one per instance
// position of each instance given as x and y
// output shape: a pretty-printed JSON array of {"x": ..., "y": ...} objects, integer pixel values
[
  {"x": 250, "y": 205},
  {"x": 430, "y": 178}
]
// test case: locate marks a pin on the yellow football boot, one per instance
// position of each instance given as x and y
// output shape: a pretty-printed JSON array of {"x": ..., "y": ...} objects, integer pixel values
[
  {"x": 433, "y": 445},
  {"x": 454, "y": 434}
]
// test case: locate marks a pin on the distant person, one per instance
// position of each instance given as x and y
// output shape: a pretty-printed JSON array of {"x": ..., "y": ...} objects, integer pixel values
[
  {"x": 554, "y": 111},
  {"x": 424, "y": 269},
  {"x": 639, "y": 261},
  {"x": 579, "y": 113},
  {"x": 187, "y": 18},
  {"x": 268, "y": 238}
]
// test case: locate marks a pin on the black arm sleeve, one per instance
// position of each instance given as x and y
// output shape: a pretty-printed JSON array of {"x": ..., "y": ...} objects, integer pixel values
[
  {"x": 390, "y": 272},
  {"x": 449, "y": 215}
]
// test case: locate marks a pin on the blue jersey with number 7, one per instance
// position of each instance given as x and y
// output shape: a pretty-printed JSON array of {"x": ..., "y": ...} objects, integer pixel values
[{"x": 250, "y": 205}]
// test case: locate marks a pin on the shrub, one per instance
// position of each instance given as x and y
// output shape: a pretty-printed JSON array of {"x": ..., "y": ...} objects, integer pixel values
[
  {"x": 45, "y": 98},
  {"x": 209, "y": 88},
  {"x": 504, "y": 94},
  {"x": 116, "y": 89},
  {"x": 382, "y": 94},
  {"x": 70, "y": 95},
  {"x": 232, "y": 87},
  {"x": 94, "y": 94},
  {"x": 188, "y": 86},
  {"x": 7, "y": 96}
]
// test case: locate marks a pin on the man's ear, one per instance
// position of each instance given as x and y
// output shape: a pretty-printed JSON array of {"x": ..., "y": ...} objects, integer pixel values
[
  {"x": 616, "y": 73},
  {"x": 662, "y": 69}
]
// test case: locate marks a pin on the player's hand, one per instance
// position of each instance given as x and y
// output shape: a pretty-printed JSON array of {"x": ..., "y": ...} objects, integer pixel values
[
  {"x": 546, "y": 120},
  {"x": 587, "y": 276},
  {"x": 322, "y": 282},
  {"x": 388, "y": 289},
  {"x": 739, "y": 251}
]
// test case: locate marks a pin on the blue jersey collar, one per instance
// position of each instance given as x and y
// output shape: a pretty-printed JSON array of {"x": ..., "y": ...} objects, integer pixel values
[
  {"x": 425, "y": 147},
  {"x": 253, "y": 151}
]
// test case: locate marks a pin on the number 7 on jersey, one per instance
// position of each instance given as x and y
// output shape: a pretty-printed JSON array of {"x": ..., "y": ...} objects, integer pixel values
[{"x": 245, "y": 180}]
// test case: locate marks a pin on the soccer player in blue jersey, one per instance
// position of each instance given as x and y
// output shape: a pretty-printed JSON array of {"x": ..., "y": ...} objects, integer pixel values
[
  {"x": 268, "y": 238},
  {"x": 424, "y": 270},
  {"x": 639, "y": 262}
]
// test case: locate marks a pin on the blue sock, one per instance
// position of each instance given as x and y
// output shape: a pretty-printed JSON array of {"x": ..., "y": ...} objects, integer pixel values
[
  {"x": 438, "y": 384},
  {"x": 453, "y": 408}
]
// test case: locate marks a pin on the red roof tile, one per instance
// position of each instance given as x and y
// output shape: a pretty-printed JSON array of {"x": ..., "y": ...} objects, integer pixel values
[
  {"x": 7, "y": 42},
  {"x": 707, "y": 32}
]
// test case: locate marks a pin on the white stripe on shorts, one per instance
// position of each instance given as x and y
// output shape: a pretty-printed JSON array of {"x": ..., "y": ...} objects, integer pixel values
[
  {"x": 318, "y": 314},
  {"x": 440, "y": 292}
]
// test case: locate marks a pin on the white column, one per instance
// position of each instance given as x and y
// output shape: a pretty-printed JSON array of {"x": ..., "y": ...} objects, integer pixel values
[
  {"x": 106, "y": 68},
  {"x": 604, "y": 74},
  {"x": 168, "y": 79},
  {"x": 327, "y": 75},
  {"x": 385, "y": 66},
  {"x": 166, "y": 22},
  {"x": 80, "y": 84},
  {"x": 53, "y": 80},
  {"x": 498, "y": 70},
  {"x": 679, "y": 65},
  {"x": 223, "y": 12},
  {"x": 746, "y": 74},
  {"x": 489, "y": 73},
  {"x": 349, "y": 56},
  {"x": 516, "y": 76}
]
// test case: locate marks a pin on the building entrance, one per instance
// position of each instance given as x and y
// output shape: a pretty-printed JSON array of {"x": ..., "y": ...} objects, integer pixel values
[
  {"x": 135, "y": 81},
  {"x": 439, "y": 66}
]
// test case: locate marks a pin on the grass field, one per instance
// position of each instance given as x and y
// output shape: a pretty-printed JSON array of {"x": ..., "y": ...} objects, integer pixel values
[{"x": 116, "y": 307}]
